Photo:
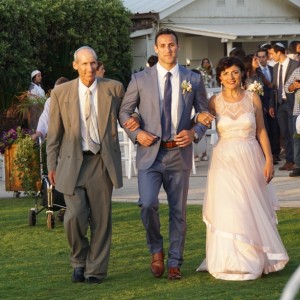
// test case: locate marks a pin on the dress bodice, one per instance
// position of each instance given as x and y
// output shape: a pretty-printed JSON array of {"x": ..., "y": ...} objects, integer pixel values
[{"x": 236, "y": 120}]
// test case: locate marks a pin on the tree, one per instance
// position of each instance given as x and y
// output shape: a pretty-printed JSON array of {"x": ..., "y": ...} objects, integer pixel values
[{"x": 43, "y": 34}]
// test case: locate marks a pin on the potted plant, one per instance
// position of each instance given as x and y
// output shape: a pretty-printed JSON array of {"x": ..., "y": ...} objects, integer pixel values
[
  {"x": 29, "y": 107},
  {"x": 21, "y": 160}
]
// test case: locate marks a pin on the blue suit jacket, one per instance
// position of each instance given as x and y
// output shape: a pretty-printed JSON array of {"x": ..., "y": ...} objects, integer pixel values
[{"x": 143, "y": 93}]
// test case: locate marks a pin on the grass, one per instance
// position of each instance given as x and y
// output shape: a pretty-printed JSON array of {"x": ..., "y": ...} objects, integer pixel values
[{"x": 34, "y": 261}]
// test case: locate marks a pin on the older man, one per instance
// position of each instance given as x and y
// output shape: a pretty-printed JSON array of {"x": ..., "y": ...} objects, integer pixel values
[{"x": 84, "y": 162}]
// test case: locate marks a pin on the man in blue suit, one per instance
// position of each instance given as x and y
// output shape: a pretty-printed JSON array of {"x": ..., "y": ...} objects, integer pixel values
[{"x": 165, "y": 95}]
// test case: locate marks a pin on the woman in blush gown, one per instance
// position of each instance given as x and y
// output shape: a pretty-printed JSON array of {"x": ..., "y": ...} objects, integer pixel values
[{"x": 242, "y": 240}]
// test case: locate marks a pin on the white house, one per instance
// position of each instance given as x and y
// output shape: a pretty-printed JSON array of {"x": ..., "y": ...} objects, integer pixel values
[{"x": 211, "y": 28}]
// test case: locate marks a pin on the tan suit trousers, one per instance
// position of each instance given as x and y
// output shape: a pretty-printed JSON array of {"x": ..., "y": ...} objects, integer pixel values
[{"x": 90, "y": 206}]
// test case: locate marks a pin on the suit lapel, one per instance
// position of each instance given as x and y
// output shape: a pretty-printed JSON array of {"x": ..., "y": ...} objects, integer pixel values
[
  {"x": 287, "y": 73},
  {"x": 73, "y": 108},
  {"x": 153, "y": 86},
  {"x": 182, "y": 97},
  {"x": 104, "y": 104}
]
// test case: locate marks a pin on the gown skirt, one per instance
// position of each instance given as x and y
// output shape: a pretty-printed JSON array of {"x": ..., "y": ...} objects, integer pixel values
[{"x": 242, "y": 240}]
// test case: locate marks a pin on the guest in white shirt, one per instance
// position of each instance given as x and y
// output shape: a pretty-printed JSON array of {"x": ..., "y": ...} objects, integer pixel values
[
  {"x": 35, "y": 88},
  {"x": 42, "y": 127}
]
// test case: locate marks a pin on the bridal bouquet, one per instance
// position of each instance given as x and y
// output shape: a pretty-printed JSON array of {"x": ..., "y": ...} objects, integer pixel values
[{"x": 256, "y": 87}]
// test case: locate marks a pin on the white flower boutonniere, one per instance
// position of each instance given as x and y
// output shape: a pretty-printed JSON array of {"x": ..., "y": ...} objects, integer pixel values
[
  {"x": 186, "y": 87},
  {"x": 256, "y": 87}
]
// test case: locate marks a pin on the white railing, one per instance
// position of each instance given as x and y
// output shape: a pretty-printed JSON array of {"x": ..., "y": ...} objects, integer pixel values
[{"x": 128, "y": 152}]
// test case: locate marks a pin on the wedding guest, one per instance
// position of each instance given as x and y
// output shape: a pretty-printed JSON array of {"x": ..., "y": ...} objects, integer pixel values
[
  {"x": 242, "y": 241},
  {"x": 252, "y": 72},
  {"x": 292, "y": 51},
  {"x": 35, "y": 89},
  {"x": 209, "y": 73},
  {"x": 293, "y": 86},
  {"x": 271, "y": 123},
  {"x": 268, "y": 47},
  {"x": 100, "y": 70},
  {"x": 282, "y": 105},
  {"x": 42, "y": 127}
]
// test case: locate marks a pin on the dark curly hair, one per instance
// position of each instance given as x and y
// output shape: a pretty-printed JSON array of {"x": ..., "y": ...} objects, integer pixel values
[{"x": 227, "y": 62}]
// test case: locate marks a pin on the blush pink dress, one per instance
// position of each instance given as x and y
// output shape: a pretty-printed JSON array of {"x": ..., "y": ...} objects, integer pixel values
[{"x": 242, "y": 240}]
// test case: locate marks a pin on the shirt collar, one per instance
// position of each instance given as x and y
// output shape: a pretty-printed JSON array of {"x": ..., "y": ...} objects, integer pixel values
[
  {"x": 162, "y": 71},
  {"x": 285, "y": 62},
  {"x": 92, "y": 88}
]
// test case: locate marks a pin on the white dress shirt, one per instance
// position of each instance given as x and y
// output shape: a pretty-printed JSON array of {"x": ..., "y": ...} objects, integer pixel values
[
  {"x": 94, "y": 100},
  {"x": 36, "y": 90},
  {"x": 175, "y": 93},
  {"x": 265, "y": 70},
  {"x": 284, "y": 68},
  {"x": 44, "y": 119}
]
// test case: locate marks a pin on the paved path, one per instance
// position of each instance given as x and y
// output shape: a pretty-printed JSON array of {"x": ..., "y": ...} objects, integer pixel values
[{"x": 287, "y": 188}]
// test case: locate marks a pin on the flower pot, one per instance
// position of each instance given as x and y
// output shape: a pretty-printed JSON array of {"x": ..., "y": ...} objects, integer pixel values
[{"x": 12, "y": 181}]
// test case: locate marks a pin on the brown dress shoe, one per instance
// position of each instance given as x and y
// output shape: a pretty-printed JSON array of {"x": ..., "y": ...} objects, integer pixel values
[
  {"x": 288, "y": 166},
  {"x": 157, "y": 264},
  {"x": 174, "y": 274}
]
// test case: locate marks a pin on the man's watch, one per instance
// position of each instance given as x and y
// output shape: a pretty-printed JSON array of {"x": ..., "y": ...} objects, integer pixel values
[{"x": 196, "y": 136}]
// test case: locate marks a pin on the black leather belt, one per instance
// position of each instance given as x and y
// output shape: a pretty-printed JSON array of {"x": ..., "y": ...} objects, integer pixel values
[
  {"x": 168, "y": 145},
  {"x": 88, "y": 152}
]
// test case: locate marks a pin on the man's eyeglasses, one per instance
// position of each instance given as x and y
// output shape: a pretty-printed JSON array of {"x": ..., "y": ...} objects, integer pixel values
[{"x": 263, "y": 56}]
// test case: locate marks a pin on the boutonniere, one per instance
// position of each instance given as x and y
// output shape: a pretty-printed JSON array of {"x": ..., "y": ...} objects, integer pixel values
[{"x": 186, "y": 87}]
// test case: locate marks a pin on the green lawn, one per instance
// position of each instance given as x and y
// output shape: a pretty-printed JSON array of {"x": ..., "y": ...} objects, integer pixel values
[{"x": 34, "y": 261}]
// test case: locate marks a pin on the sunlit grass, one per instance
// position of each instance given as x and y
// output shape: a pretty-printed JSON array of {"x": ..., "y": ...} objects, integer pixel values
[{"x": 34, "y": 261}]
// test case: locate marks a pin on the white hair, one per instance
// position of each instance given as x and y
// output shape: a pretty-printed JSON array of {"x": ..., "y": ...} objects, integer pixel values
[{"x": 84, "y": 47}]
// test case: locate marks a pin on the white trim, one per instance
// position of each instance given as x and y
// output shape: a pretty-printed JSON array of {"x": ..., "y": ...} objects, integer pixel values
[
  {"x": 240, "y": 31},
  {"x": 142, "y": 32},
  {"x": 295, "y": 3}
]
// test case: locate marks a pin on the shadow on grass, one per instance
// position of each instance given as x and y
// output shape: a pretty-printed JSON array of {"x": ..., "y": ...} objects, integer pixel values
[{"x": 35, "y": 260}]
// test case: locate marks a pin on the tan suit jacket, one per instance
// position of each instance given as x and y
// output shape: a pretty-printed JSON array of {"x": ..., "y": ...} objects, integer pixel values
[{"x": 64, "y": 150}]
